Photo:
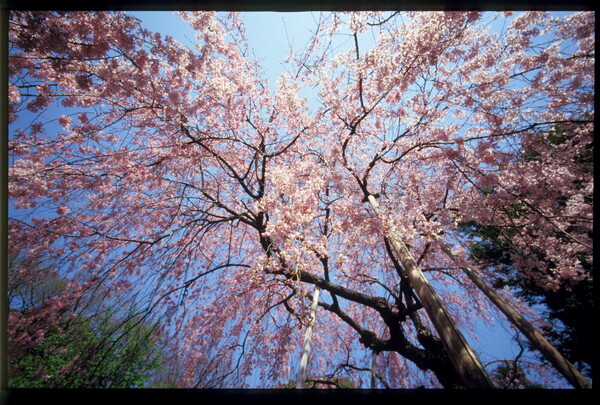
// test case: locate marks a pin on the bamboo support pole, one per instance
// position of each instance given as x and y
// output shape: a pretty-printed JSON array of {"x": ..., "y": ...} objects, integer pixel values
[{"x": 301, "y": 379}]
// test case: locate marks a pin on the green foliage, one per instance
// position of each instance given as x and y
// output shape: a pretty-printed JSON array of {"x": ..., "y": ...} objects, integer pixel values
[
  {"x": 344, "y": 383},
  {"x": 491, "y": 243},
  {"x": 556, "y": 137},
  {"x": 323, "y": 382},
  {"x": 508, "y": 375},
  {"x": 114, "y": 353}
]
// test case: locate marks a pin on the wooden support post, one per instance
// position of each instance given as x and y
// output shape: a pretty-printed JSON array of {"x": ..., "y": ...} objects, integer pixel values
[
  {"x": 374, "y": 370},
  {"x": 462, "y": 356},
  {"x": 301, "y": 379}
]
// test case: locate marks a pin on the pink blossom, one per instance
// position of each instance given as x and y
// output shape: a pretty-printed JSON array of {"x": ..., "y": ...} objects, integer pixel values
[{"x": 63, "y": 210}]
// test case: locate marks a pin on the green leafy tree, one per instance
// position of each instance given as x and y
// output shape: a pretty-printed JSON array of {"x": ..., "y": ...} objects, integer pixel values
[{"x": 78, "y": 353}]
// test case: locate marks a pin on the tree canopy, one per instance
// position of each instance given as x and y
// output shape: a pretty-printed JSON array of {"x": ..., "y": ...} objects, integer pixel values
[{"x": 179, "y": 177}]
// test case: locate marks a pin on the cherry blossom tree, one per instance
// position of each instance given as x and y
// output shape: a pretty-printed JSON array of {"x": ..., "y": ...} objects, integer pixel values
[{"x": 179, "y": 176}]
